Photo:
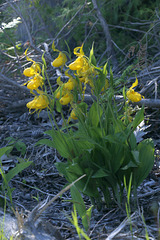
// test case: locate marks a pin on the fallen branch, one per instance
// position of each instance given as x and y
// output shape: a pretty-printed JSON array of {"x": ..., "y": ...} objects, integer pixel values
[
  {"x": 10, "y": 81},
  {"x": 151, "y": 103}
]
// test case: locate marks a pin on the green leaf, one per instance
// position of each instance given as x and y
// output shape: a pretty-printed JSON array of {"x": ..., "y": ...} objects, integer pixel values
[
  {"x": 5, "y": 150},
  {"x": 100, "y": 82},
  {"x": 46, "y": 142},
  {"x": 93, "y": 115},
  {"x": 75, "y": 168},
  {"x": 83, "y": 107},
  {"x": 62, "y": 142},
  {"x": 100, "y": 173},
  {"x": 58, "y": 106},
  {"x": 21, "y": 147},
  {"x": 138, "y": 118},
  {"x": 117, "y": 156},
  {"x": 86, "y": 218},
  {"x": 132, "y": 141},
  {"x": 78, "y": 200},
  {"x": 80, "y": 206},
  {"x": 89, "y": 212},
  {"x": 124, "y": 92},
  {"x": 61, "y": 167},
  {"x": 111, "y": 78},
  {"x": 14, "y": 171},
  {"x": 95, "y": 133},
  {"x": 129, "y": 165},
  {"x": 146, "y": 159},
  {"x": 135, "y": 156}
]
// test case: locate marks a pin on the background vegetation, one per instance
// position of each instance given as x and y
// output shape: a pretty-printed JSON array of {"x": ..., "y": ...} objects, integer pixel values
[{"x": 133, "y": 24}]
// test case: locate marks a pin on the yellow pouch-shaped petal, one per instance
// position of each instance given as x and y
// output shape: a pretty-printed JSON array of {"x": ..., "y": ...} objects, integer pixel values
[
  {"x": 33, "y": 85},
  {"x": 69, "y": 85},
  {"x": 42, "y": 102},
  {"x": 60, "y": 60},
  {"x": 38, "y": 103},
  {"x": 31, "y": 104},
  {"x": 77, "y": 64},
  {"x": 65, "y": 99},
  {"x": 35, "y": 82},
  {"x": 134, "y": 96},
  {"x": 29, "y": 72}
]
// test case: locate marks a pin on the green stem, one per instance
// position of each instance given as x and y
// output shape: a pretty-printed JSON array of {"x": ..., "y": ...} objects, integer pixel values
[
  {"x": 49, "y": 83},
  {"x": 66, "y": 126}
]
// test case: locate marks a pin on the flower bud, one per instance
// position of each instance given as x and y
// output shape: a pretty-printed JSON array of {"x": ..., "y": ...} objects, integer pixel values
[
  {"x": 133, "y": 96},
  {"x": 31, "y": 71},
  {"x": 73, "y": 115}
]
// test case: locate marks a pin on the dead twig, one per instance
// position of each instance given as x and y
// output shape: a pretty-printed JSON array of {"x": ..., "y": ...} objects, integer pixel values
[
  {"x": 37, "y": 211},
  {"x": 110, "y": 49},
  {"x": 125, "y": 222}
]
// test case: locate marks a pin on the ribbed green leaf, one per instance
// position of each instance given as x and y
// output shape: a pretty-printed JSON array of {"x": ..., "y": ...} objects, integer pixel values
[
  {"x": 94, "y": 114},
  {"x": 14, "y": 171},
  {"x": 100, "y": 173},
  {"x": 146, "y": 159},
  {"x": 5, "y": 150}
]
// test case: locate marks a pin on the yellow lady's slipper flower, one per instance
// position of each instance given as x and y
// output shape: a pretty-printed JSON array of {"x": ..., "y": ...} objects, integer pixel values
[
  {"x": 36, "y": 82},
  {"x": 66, "y": 99},
  {"x": 77, "y": 64},
  {"x": 132, "y": 95},
  {"x": 33, "y": 85},
  {"x": 60, "y": 60},
  {"x": 31, "y": 71},
  {"x": 38, "y": 103},
  {"x": 28, "y": 72},
  {"x": 69, "y": 85}
]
